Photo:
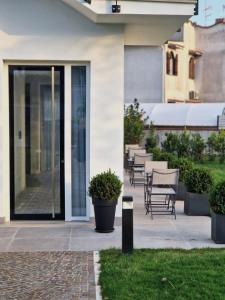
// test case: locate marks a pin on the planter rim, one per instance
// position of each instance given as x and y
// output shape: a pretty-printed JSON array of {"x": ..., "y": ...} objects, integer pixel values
[
  {"x": 199, "y": 194},
  {"x": 100, "y": 202},
  {"x": 216, "y": 214}
]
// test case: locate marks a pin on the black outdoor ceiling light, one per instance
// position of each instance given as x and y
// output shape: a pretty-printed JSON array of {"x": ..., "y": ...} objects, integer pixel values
[
  {"x": 88, "y": 1},
  {"x": 115, "y": 8},
  {"x": 196, "y": 8}
]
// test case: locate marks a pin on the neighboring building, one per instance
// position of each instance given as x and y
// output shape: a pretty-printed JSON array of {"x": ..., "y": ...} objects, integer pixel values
[
  {"x": 62, "y": 97},
  {"x": 210, "y": 72},
  {"x": 181, "y": 57},
  {"x": 195, "y": 64},
  {"x": 189, "y": 68}
]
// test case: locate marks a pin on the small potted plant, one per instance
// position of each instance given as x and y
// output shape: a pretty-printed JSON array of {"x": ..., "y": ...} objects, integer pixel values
[
  {"x": 184, "y": 165},
  {"x": 105, "y": 189},
  {"x": 198, "y": 182},
  {"x": 217, "y": 203}
]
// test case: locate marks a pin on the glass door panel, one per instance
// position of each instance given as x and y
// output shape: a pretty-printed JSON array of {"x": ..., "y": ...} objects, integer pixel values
[
  {"x": 79, "y": 194},
  {"x": 36, "y": 142}
]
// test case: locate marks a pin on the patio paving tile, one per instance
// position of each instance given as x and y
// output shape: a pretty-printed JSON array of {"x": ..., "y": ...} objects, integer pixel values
[
  {"x": 93, "y": 244},
  {"x": 41, "y": 232},
  {"x": 7, "y": 232},
  {"x": 39, "y": 244},
  {"x": 4, "y": 244}
]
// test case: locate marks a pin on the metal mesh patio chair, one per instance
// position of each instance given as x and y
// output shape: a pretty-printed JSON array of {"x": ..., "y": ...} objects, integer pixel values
[
  {"x": 126, "y": 153},
  {"x": 132, "y": 152},
  {"x": 149, "y": 167},
  {"x": 161, "y": 194},
  {"x": 137, "y": 171},
  {"x": 132, "y": 146},
  {"x": 130, "y": 159}
]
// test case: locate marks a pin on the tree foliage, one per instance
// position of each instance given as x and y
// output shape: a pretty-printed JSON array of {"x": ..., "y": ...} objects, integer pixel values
[
  {"x": 134, "y": 123},
  {"x": 152, "y": 139}
]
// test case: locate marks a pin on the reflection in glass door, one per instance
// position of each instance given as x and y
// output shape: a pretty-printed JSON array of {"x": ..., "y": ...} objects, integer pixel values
[{"x": 36, "y": 134}]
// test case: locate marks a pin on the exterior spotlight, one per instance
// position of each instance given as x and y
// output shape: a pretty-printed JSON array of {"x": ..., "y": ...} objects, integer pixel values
[
  {"x": 196, "y": 8},
  {"x": 115, "y": 8}
]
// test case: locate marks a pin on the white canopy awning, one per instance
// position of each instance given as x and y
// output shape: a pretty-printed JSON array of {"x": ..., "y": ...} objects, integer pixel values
[{"x": 184, "y": 114}]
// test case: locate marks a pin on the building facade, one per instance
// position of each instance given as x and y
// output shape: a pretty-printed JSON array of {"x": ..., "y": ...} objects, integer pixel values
[{"x": 62, "y": 97}]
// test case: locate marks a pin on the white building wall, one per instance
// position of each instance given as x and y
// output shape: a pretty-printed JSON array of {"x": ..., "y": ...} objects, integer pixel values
[
  {"x": 54, "y": 33},
  {"x": 143, "y": 74}
]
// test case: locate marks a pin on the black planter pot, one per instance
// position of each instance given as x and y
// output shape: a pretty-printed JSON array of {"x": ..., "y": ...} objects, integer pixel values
[
  {"x": 181, "y": 191},
  {"x": 196, "y": 204},
  {"x": 104, "y": 215},
  {"x": 218, "y": 228}
]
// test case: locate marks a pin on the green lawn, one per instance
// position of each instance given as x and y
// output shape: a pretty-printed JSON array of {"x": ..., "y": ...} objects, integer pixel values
[
  {"x": 217, "y": 169},
  {"x": 163, "y": 274}
]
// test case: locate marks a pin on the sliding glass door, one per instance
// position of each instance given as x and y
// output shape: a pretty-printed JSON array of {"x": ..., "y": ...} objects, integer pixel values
[{"x": 37, "y": 142}]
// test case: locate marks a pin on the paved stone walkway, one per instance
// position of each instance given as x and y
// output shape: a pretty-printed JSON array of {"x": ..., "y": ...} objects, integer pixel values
[{"x": 47, "y": 276}]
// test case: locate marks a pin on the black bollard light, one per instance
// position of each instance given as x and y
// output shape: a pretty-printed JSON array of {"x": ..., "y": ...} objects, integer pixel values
[{"x": 127, "y": 225}]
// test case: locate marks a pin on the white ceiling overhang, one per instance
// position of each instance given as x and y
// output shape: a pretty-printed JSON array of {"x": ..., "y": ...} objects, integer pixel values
[{"x": 133, "y": 12}]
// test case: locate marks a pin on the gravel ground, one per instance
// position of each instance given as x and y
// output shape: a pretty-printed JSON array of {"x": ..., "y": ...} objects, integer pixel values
[{"x": 47, "y": 275}]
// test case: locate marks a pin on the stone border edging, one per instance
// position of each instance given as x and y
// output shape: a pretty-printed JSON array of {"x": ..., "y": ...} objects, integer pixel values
[{"x": 97, "y": 273}]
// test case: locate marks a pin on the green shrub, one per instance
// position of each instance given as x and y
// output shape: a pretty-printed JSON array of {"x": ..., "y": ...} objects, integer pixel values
[
  {"x": 184, "y": 165},
  {"x": 217, "y": 198},
  {"x": 220, "y": 145},
  {"x": 134, "y": 123},
  {"x": 211, "y": 146},
  {"x": 152, "y": 140},
  {"x": 197, "y": 147},
  {"x": 198, "y": 180},
  {"x": 156, "y": 153},
  {"x": 105, "y": 186},
  {"x": 184, "y": 144},
  {"x": 165, "y": 156},
  {"x": 171, "y": 143}
]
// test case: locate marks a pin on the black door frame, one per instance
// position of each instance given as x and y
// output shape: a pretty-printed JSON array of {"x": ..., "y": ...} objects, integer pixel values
[{"x": 14, "y": 216}]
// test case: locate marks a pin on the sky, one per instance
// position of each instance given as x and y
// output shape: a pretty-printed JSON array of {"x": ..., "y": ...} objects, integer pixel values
[{"x": 214, "y": 10}]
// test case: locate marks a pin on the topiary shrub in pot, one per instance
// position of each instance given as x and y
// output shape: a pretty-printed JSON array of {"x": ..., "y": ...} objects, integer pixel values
[
  {"x": 217, "y": 203},
  {"x": 183, "y": 164},
  {"x": 198, "y": 182},
  {"x": 105, "y": 189}
]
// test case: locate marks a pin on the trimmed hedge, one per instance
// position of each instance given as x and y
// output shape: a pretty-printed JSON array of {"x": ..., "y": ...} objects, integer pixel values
[
  {"x": 198, "y": 180},
  {"x": 184, "y": 165},
  {"x": 105, "y": 186},
  {"x": 217, "y": 198}
]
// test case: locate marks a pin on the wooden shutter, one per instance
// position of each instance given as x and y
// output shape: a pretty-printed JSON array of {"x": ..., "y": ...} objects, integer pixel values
[
  {"x": 192, "y": 68},
  {"x": 175, "y": 65},
  {"x": 167, "y": 63}
]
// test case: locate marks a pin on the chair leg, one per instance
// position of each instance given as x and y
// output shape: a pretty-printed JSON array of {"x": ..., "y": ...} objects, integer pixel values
[
  {"x": 168, "y": 206},
  {"x": 174, "y": 207},
  {"x": 147, "y": 203},
  {"x": 150, "y": 204},
  {"x": 145, "y": 191}
]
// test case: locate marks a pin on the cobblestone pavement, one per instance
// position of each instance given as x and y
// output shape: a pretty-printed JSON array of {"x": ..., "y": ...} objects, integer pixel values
[{"x": 47, "y": 276}]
